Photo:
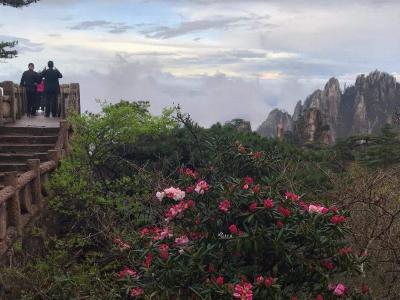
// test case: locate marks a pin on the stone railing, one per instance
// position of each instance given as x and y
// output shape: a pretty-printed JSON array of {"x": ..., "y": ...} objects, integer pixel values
[
  {"x": 13, "y": 102},
  {"x": 23, "y": 196}
]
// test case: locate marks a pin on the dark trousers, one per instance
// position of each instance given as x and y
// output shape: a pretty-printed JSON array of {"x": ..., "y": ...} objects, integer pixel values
[
  {"x": 31, "y": 99},
  {"x": 51, "y": 104}
]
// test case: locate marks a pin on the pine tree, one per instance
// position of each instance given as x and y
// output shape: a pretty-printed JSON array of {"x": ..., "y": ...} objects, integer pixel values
[{"x": 7, "y": 48}]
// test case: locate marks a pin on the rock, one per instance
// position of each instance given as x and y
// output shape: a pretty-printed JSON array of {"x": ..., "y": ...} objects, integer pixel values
[
  {"x": 240, "y": 124},
  {"x": 276, "y": 124},
  {"x": 328, "y": 114}
]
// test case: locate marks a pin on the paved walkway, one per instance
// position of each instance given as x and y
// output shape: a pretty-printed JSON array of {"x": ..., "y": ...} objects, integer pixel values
[{"x": 38, "y": 121}]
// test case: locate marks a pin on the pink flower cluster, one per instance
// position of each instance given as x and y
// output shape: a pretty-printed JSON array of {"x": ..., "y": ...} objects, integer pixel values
[
  {"x": 292, "y": 196},
  {"x": 157, "y": 233},
  {"x": 225, "y": 205},
  {"x": 188, "y": 172},
  {"x": 127, "y": 271},
  {"x": 171, "y": 193},
  {"x": 178, "y": 208},
  {"x": 201, "y": 187},
  {"x": 317, "y": 209},
  {"x": 243, "y": 291}
]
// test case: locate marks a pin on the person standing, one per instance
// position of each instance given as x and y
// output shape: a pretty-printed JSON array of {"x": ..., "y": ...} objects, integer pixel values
[
  {"x": 51, "y": 88},
  {"x": 29, "y": 80}
]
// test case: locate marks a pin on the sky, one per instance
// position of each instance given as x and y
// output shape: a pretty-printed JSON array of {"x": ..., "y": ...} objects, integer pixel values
[{"x": 219, "y": 60}]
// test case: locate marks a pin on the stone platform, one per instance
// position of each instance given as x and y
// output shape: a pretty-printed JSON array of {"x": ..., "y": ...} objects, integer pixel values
[{"x": 38, "y": 121}]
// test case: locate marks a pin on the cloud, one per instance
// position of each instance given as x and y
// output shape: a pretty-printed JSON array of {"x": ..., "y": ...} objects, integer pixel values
[
  {"x": 212, "y": 23},
  {"x": 112, "y": 27}
]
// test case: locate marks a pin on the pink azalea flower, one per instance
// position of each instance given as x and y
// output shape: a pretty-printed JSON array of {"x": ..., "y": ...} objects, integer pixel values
[
  {"x": 182, "y": 240},
  {"x": 284, "y": 211},
  {"x": 163, "y": 249},
  {"x": 201, "y": 187},
  {"x": 174, "y": 193},
  {"x": 328, "y": 265},
  {"x": 148, "y": 260},
  {"x": 189, "y": 189},
  {"x": 259, "y": 279},
  {"x": 258, "y": 155},
  {"x": 243, "y": 291},
  {"x": 160, "y": 196},
  {"x": 145, "y": 231},
  {"x": 339, "y": 290},
  {"x": 317, "y": 209},
  {"x": 211, "y": 268},
  {"x": 319, "y": 297},
  {"x": 268, "y": 281},
  {"x": 268, "y": 203},
  {"x": 253, "y": 207},
  {"x": 191, "y": 204},
  {"x": 225, "y": 205},
  {"x": 338, "y": 219},
  {"x": 292, "y": 196},
  {"x": 248, "y": 180},
  {"x": 136, "y": 292},
  {"x": 279, "y": 224},
  {"x": 233, "y": 229},
  {"x": 256, "y": 189},
  {"x": 220, "y": 281},
  {"x": 127, "y": 271},
  {"x": 345, "y": 251}
]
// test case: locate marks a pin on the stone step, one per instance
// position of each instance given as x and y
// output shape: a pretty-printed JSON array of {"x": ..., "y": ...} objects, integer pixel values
[
  {"x": 36, "y": 131},
  {"x": 28, "y": 139},
  {"x": 25, "y": 148},
  {"x": 10, "y": 167},
  {"x": 22, "y": 157}
]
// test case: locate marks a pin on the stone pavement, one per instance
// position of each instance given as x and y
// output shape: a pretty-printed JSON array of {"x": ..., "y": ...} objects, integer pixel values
[{"x": 38, "y": 121}]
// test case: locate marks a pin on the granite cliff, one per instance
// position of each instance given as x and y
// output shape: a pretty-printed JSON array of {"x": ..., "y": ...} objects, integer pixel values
[{"x": 329, "y": 114}]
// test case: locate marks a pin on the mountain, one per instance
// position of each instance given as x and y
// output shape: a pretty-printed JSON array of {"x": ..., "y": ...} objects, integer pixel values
[
  {"x": 328, "y": 114},
  {"x": 276, "y": 124}
]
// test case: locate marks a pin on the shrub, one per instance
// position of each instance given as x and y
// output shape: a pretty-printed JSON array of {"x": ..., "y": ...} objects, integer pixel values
[{"x": 221, "y": 236}]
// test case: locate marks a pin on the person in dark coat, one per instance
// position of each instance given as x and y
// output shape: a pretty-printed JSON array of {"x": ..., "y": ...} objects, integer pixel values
[
  {"x": 51, "y": 88},
  {"x": 29, "y": 80}
]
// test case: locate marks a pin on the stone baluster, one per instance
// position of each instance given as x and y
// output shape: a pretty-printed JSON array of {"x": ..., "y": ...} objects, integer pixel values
[
  {"x": 13, "y": 205},
  {"x": 34, "y": 165}
]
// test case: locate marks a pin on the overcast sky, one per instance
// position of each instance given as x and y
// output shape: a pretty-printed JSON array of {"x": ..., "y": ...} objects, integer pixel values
[{"x": 219, "y": 59}]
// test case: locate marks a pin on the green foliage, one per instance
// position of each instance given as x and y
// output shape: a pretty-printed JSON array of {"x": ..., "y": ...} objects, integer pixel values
[
  {"x": 376, "y": 151},
  {"x": 5, "y": 51},
  {"x": 294, "y": 250}
]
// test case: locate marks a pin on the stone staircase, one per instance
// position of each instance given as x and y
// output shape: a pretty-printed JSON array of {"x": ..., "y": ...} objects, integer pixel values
[{"x": 18, "y": 144}]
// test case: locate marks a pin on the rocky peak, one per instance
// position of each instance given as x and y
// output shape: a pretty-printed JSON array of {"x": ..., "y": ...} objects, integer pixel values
[
  {"x": 240, "y": 124},
  {"x": 277, "y": 122},
  {"x": 327, "y": 114},
  {"x": 297, "y": 111}
]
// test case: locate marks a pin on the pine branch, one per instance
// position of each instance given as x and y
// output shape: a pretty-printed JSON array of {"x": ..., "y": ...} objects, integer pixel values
[
  {"x": 17, "y": 3},
  {"x": 6, "y": 53}
]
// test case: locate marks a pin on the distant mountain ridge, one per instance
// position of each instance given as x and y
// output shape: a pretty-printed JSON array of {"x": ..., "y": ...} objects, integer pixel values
[{"x": 329, "y": 114}]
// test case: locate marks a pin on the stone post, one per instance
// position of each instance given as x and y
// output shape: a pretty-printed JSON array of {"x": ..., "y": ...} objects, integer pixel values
[
  {"x": 34, "y": 165},
  {"x": 3, "y": 220},
  {"x": 54, "y": 155},
  {"x": 8, "y": 87},
  {"x": 13, "y": 205},
  {"x": 64, "y": 126}
]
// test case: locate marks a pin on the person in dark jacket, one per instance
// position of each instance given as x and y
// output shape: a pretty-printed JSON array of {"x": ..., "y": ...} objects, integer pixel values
[
  {"x": 29, "y": 80},
  {"x": 51, "y": 88}
]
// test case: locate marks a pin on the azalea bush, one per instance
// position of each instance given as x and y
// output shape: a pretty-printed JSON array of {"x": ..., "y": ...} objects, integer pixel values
[{"x": 219, "y": 235}]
